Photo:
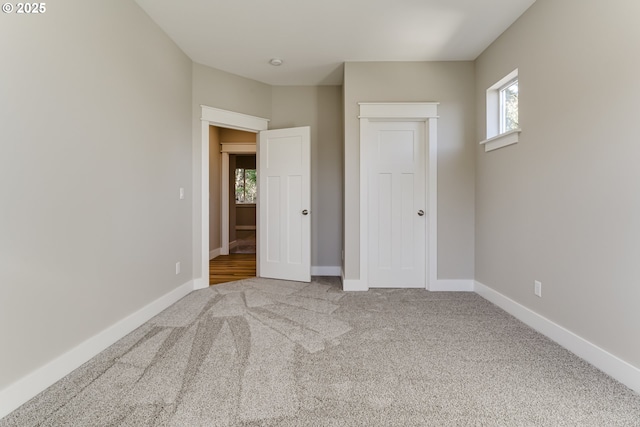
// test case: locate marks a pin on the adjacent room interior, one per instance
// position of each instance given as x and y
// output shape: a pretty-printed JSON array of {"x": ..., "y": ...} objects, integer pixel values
[{"x": 232, "y": 221}]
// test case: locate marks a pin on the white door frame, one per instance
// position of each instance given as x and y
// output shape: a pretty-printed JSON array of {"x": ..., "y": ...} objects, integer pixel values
[
  {"x": 226, "y": 119},
  {"x": 426, "y": 112}
]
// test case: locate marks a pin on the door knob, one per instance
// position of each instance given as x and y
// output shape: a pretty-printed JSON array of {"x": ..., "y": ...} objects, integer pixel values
[
  {"x": 421, "y": 212},
  {"x": 305, "y": 212}
]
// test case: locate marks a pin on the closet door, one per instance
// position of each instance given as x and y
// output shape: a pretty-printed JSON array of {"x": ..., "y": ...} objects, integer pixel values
[{"x": 396, "y": 153}]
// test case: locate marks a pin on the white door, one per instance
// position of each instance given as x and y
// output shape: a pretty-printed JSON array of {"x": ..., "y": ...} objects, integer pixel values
[
  {"x": 284, "y": 204},
  {"x": 396, "y": 202}
]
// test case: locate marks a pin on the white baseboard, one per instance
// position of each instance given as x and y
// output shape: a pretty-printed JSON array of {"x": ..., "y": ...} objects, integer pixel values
[
  {"x": 439, "y": 286},
  {"x": 214, "y": 253},
  {"x": 326, "y": 270},
  {"x": 615, "y": 367},
  {"x": 454, "y": 285},
  {"x": 245, "y": 227},
  {"x": 29, "y": 386},
  {"x": 349, "y": 285},
  {"x": 353, "y": 286},
  {"x": 201, "y": 283}
]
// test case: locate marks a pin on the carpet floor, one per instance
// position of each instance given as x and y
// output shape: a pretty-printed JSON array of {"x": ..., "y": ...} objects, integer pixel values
[{"x": 273, "y": 353}]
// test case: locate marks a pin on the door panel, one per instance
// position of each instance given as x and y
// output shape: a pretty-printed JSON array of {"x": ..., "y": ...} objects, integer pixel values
[
  {"x": 272, "y": 224},
  {"x": 284, "y": 195},
  {"x": 397, "y": 192}
]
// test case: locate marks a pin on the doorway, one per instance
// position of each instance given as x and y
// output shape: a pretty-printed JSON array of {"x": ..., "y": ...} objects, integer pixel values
[
  {"x": 243, "y": 183},
  {"x": 225, "y": 119},
  {"x": 233, "y": 184},
  {"x": 284, "y": 157}
]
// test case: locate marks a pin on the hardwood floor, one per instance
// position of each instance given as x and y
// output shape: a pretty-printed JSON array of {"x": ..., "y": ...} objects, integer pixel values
[{"x": 227, "y": 268}]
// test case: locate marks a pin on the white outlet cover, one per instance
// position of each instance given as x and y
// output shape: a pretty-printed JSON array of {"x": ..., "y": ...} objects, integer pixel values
[{"x": 537, "y": 288}]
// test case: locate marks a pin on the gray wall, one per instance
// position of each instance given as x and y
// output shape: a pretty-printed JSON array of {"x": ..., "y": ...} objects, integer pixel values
[
  {"x": 321, "y": 108},
  {"x": 563, "y": 206},
  {"x": 96, "y": 141},
  {"x": 451, "y": 84}
]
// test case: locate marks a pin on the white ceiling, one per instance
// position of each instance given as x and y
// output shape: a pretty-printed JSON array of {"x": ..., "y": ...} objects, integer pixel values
[{"x": 315, "y": 37}]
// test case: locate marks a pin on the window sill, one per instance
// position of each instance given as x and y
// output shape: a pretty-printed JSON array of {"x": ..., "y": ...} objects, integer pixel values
[{"x": 501, "y": 140}]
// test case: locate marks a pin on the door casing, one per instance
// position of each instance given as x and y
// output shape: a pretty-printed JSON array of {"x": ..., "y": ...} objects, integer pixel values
[
  {"x": 426, "y": 112},
  {"x": 227, "y": 119}
]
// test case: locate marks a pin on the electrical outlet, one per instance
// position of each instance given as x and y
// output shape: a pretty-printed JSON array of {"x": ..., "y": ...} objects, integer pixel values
[
  {"x": 537, "y": 288},
  {"x": 181, "y": 193},
  {"x": 178, "y": 267}
]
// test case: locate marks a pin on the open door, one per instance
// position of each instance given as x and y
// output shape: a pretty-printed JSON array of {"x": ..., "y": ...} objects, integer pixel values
[{"x": 284, "y": 204}]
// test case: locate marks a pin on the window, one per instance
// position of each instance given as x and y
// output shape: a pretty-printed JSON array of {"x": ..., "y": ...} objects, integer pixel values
[
  {"x": 503, "y": 125},
  {"x": 246, "y": 188},
  {"x": 509, "y": 106}
]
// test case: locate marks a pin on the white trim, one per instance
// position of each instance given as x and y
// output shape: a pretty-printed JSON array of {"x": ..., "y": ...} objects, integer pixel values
[
  {"x": 227, "y": 119},
  {"x": 214, "y": 254},
  {"x": 398, "y": 110},
  {"x": 30, "y": 385},
  {"x": 245, "y": 227},
  {"x": 201, "y": 282},
  {"x": 326, "y": 270},
  {"x": 410, "y": 111},
  {"x": 501, "y": 140},
  {"x": 354, "y": 285},
  {"x": 453, "y": 285},
  {"x": 224, "y": 205},
  {"x": 432, "y": 203},
  {"x": 617, "y": 368},
  {"x": 362, "y": 284},
  {"x": 233, "y": 120},
  {"x": 202, "y": 235},
  {"x": 349, "y": 285}
]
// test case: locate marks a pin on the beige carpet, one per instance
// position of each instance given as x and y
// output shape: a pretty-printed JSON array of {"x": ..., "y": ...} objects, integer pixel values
[{"x": 273, "y": 353}]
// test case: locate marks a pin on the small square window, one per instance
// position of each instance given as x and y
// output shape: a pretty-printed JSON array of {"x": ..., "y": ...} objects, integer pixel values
[{"x": 503, "y": 125}]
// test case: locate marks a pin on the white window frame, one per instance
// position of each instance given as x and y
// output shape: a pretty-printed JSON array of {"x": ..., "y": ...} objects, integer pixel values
[
  {"x": 502, "y": 103},
  {"x": 244, "y": 187},
  {"x": 495, "y": 138}
]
